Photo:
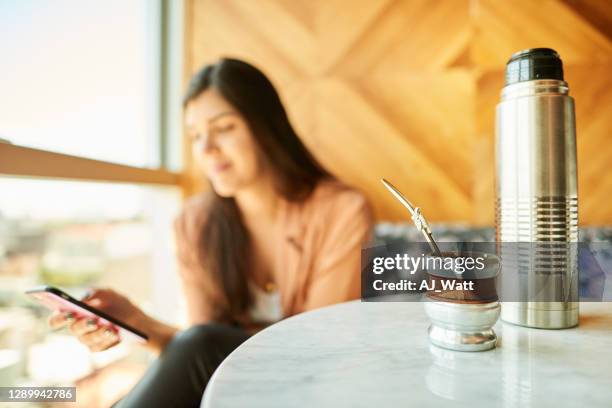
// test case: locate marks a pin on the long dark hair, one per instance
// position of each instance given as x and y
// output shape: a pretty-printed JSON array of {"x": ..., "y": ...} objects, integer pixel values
[{"x": 224, "y": 241}]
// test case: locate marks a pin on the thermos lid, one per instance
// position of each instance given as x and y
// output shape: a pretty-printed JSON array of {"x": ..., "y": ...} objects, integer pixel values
[{"x": 534, "y": 63}]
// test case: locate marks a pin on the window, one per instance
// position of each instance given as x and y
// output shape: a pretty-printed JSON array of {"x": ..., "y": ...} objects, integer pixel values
[
  {"x": 71, "y": 235},
  {"x": 82, "y": 78},
  {"x": 90, "y": 146}
]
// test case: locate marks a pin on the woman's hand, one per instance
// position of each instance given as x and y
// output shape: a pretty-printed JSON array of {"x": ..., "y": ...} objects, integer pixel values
[
  {"x": 95, "y": 336},
  {"x": 88, "y": 330},
  {"x": 98, "y": 337}
]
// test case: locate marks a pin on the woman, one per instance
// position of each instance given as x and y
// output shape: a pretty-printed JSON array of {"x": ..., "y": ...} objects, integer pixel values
[{"x": 276, "y": 235}]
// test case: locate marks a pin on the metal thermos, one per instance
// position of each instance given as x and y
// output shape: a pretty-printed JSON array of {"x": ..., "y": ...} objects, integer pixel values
[{"x": 537, "y": 200}]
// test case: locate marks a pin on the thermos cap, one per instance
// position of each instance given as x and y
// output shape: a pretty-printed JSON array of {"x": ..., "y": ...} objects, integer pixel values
[{"x": 534, "y": 63}]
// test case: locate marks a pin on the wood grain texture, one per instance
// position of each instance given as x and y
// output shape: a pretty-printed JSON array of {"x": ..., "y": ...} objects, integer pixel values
[{"x": 407, "y": 89}]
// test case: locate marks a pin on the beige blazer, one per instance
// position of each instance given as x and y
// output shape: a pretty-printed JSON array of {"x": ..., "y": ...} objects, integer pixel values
[{"x": 319, "y": 256}]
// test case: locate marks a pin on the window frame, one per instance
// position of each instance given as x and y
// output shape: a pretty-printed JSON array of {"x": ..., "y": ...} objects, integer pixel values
[{"x": 30, "y": 162}]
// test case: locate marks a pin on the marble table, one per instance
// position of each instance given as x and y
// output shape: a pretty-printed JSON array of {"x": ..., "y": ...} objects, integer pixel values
[{"x": 377, "y": 355}]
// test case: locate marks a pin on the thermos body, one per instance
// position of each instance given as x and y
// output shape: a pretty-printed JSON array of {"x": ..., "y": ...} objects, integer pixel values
[{"x": 537, "y": 194}]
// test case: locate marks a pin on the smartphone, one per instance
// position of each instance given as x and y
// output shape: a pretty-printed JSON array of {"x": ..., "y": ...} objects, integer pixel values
[{"x": 58, "y": 300}]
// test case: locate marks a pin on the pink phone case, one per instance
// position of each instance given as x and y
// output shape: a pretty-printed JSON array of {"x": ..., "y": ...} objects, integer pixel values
[{"x": 59, "y": 301}]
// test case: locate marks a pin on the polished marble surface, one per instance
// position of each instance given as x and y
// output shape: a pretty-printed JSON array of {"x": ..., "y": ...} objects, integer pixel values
[{"x": 377, "y": 355}]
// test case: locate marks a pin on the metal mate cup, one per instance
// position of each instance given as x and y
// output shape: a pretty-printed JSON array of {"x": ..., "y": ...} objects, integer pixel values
[{"x": 463, "y": 319}]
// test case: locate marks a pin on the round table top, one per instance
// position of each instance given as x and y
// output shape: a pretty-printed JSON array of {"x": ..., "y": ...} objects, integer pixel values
[{"x": 378, "y": 355}]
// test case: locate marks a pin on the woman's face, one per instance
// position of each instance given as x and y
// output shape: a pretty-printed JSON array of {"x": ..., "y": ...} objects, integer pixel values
[{"x": 222, "y": 144}]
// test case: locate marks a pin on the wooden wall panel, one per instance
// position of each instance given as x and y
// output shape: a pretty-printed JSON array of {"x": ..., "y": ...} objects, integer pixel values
[
  {"x": 407, "y": 89},
  {"x": 504, "y": 27}
]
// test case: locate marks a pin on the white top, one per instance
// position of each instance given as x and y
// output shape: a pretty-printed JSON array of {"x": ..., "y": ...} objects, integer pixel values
[
  {"x": 266, "y": 307},
  {"x": 378, "y": 355}
]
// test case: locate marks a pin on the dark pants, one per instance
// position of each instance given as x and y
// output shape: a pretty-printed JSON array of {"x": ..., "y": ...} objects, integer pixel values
[{"x": 180, "y": 374}]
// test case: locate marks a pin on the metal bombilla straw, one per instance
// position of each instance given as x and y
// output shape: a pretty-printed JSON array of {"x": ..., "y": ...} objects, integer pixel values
[{"x": 419, "y": 221}]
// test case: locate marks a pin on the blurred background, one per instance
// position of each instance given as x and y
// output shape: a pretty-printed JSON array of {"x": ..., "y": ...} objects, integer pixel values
[
  {"x": 406, "y": 89},
  {"x": 93, "y": 167}
]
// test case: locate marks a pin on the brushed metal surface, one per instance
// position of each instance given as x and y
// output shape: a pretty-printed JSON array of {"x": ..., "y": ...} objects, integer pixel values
[
  {"x": 461, "y": 326},
  {"x": 537, "y": 202}
]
